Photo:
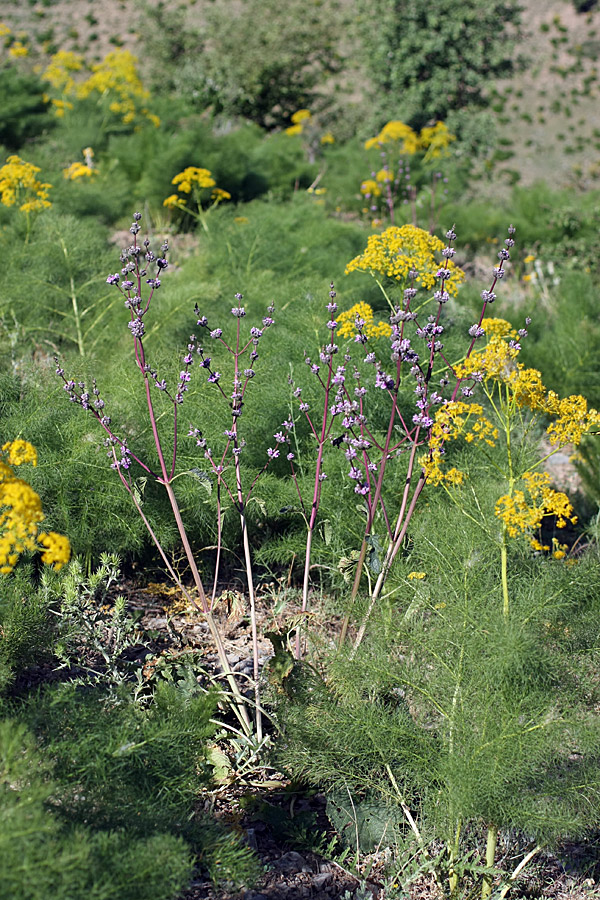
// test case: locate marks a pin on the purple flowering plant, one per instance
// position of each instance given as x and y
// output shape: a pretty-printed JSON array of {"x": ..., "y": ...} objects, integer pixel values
[
  {"x": 416, "y": 356},
  {"x": 344, "y": 419},
  {"x": 138, "y": 281}
]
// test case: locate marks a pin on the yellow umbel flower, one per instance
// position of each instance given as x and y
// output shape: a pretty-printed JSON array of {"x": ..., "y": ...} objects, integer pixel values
[
  {"x": 173, "y": 201},
  {"x": 81, "y": 169},
  {"x": 60, "y": 69},
  {"x": 193, "y": 176},
  {"x": 301, "y": 115},
  {"x": 370, "y": 188},
  {"x": 19, "y": 184},
  {"x": 572, "y": 418},
  {"x": 435, "y": 140},
  {"x": 396, "y": 132},
  {"x": 219, "y": 194},
  {"x": 397, "y": 251},
  {"x": 18, "y": 50},
  {"x": 347, "y": 322},
  {"x": 21, "y": 512},
  {"x": 521, "y": 515}
]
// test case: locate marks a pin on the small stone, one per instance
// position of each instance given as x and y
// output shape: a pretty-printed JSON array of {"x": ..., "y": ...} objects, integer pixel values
[
  {"x": 320, "y": 881},
  {"x": 292, "y": 862}
]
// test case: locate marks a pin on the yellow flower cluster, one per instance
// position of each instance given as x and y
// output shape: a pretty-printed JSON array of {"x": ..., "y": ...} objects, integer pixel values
[
  {"x": 298, "y": 119},
  {"x": 81, "y": 169},
  {"x": 17, "y": 50},
  {"x": 498, "y": 362},
  {"x": 347, "y": 322},
  {"x": 434, "y": 139},
  {"x": 194, "y": 176},
  {"x": 397, "y": 251},
  {"x": 116, "y": 76},
  {"x": 370, "y": 188},
  {"x": 572, "y": 418},
  {"x": 21, "y": 512},
  {"x": 59, "y": 71},
  {"x": 521, "y": 514},
  {"x": 452, "y": 420},
  {"x": 194, "y": 180},
  {"x": 19, "y": 184},
  {"x": 395, "y": 132}
]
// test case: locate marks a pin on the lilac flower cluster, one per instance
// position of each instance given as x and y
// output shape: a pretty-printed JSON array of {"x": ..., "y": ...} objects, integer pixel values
[{"x": 135, "y": 262}]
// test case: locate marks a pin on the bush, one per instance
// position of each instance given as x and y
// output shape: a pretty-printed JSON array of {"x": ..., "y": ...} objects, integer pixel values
[
  {"x": 44, "y": 858},
  {"x": 426, "y": 60},
  {"x": 264, "y": 63},
  {"x": 24, "y": 113}
]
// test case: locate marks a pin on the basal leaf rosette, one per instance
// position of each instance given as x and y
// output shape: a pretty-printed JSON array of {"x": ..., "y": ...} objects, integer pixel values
[
  {"x": 21, "y": 513},
  {"x": 398, "y": 251}
]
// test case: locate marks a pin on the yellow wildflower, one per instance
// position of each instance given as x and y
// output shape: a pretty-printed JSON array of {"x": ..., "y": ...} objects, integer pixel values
[
  {"x": 4, "y": 30},
  {"x": 19, "y": 452},
  {"x": 499, "y": 328},
  {"x": 572, "y": 419},
  {"x": 293, "y": 129},
  {"x": 59, "y": 70},
  {"x": 58, "y": 549},
  {"x": 384, "y": 175},
  {"x": 418, "y": 576},
  {"x": 397, "y": 251},
  {"x": 327, "y": 138},
  {"x": 18, "y": 50},
  {"x": 370, "y": 188},
  {"x": 396, "y": 131},
  {"x": 61, "y": 107},
  {"x": 219, "y": 194},
  {"x": 300, "y": 116},
  {"x": 520, "y": 515},
  {"x": 347, "y": 322},
  {"x": 173, "y": 201},
  {"x": 529, "y": 259},
  {"x": 435, "y": 140},
  {"x": 18, "y": 184},
  {"x": 194, "y": 176},
  {"x": 81, "y": 170},
  {"x": 559, "y": 550},
  {"x": 21, "y": 512},
  {"x": 241, "y": 220}
]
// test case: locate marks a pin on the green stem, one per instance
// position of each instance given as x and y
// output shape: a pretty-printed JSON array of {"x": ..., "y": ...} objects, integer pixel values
[
  {"x": 490, "y": 857},
  {"x": 74, "y": 302},
  {"x": 453, "y": 847},
  {"x": 504, "y": 564}
]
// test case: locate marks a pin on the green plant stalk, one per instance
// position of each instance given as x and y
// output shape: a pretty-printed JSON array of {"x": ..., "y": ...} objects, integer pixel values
[
  {"x": 453, "y": 850},
  {"x": 393, "y": 548},
  {"x": 490, "y": 857},
  {"x": 325, "y": 428},
  {"x": 74, "y": 302},
  {"x": 504, "y": 548}
]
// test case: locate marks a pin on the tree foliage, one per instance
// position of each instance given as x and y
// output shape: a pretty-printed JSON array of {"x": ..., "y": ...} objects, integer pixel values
[{"x": 428, "y": 59}]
